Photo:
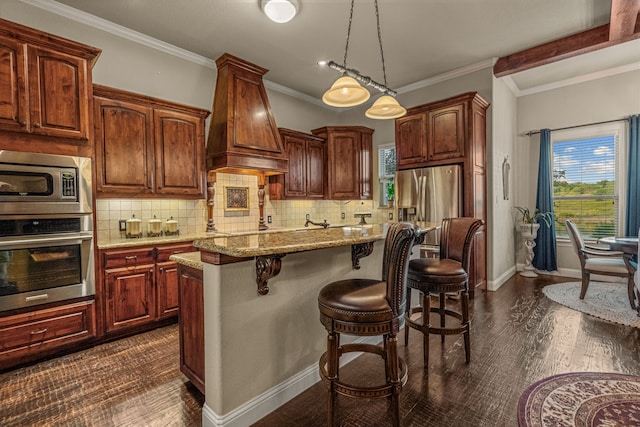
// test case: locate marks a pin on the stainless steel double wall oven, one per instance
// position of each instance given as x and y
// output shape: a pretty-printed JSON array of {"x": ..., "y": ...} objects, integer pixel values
[{"x": 46, "y": 229}]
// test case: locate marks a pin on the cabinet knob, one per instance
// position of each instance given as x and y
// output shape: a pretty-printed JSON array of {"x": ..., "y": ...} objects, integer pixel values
[
  {"x": 161, "y": 269},
  {"x": 22, "y": 123},
  {"x": 36, "y": 125}
]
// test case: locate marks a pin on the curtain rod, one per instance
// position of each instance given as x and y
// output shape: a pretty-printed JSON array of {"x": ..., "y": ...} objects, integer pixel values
[{"x": 535, "y": 132}]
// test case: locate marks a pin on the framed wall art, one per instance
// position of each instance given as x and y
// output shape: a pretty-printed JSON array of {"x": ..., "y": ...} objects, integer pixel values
[{"x": 236, "y": 199}]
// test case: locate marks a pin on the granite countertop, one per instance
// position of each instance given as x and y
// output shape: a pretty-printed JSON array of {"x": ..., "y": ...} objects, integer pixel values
[
  {"x": 144, "y": 241},
  {"x": 190, "y": 259},
  {"x": 258, "y": 244}
]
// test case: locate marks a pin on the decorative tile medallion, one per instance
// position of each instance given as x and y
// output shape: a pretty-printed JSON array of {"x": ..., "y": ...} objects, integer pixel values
[{"x": 236, "y": 198}]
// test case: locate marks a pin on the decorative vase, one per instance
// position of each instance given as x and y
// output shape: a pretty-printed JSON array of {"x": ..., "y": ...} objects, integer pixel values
[
  {"x": 390, "y": 203},
  {"x": 529, "y": 233}
]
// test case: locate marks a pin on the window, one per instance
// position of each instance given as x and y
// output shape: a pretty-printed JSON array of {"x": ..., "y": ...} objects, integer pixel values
[
  {"x": 588, "y": 179},
  {"x": 386, "y": 173}
]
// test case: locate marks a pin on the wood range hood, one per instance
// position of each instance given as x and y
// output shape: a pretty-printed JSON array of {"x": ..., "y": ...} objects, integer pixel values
[{"x": 243, "y": 135}]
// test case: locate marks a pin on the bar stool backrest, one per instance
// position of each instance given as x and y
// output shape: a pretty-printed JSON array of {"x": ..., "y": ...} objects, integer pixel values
[
  {"x": 456, "y": 237},
  {"x": 401, "y": 237}
]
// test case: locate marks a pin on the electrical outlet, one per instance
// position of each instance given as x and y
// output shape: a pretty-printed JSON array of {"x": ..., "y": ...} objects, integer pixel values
[
  {"x": 269, "y": 219},
  {"x": 307, "y": 217},
  {"x": 122, "y": 224},
  {"x": 390, "y": 216},
  {"x": 342, "y": 215}
]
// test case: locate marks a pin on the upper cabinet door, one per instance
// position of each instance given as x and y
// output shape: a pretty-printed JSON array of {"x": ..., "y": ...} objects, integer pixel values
[
  {"x": 14, "y": 115},
  {"x": 411, "y": 140},
  {"x": 124, "y": 154},
  {"x": 344, "y": 159},
  {"x": 179, "y": 153},
  {"x": 295, "y": 178},
  {"x": 446, "y": 136},
  {"x": 58, "y": 93},
  {"x": 316, "y": 169}
]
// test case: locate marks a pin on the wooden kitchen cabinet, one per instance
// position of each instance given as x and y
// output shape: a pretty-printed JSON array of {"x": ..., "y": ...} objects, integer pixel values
[
  {"x": 349, "y": 161},
  {"x": 306, "y": 177},
  {"x": 431, "y": 137},
  {"x": 129, "y": 296},
  {"x": 45, "y": 85},
  {"x": 138, "y": 289},
  {"x": 147, "y": 147},
  {"x": 411, "y": 140},
  {"x": 447, "y": 132},
  {"x": 192, "y": 325},
  {"x": 29, "y": 336}
]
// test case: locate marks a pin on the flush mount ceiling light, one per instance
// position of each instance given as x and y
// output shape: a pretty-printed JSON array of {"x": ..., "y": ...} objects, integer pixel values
[
  {"x": 280, "y": 11},
  {"x": 347, "y": 92}
]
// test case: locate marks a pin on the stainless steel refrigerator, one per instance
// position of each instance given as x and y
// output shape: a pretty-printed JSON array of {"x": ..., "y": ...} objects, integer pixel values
[{"x": 429, "y": 194}]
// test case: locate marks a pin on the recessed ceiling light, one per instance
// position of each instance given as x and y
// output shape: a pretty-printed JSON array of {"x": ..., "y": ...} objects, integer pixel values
[{"x": 280, "y": 11}]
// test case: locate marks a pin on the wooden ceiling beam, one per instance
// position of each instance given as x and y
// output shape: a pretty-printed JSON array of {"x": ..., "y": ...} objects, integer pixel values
[
  {"x": 624, "y": 17},
  {"x": 624, "y": 26}
]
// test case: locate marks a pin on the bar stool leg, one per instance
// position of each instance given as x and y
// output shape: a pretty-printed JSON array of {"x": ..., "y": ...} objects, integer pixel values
[
  {"x": 465, "y": 321},
  {"x": 426, "y": 310},
  {"x": 332, "y": 374},
  {"x": 408, "y": 311},
  {"x": 442, "y": 296},
  {"x": 393, "y": 373}
]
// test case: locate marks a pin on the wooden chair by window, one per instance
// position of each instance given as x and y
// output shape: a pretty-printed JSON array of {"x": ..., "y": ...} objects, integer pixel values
[{"x": 597, "y": 261}]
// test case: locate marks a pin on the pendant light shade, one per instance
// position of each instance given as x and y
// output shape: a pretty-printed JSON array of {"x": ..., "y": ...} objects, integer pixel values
[
  {"x": 345, "y": 92},
  {"x": 385, "y": 107}
]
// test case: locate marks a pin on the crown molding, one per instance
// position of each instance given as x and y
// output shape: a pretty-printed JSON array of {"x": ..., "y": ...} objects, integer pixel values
[
  {"x": 294, "y": 93},
  {"x": 458, "y": 72},
  {"x": 580, "y": 79}
]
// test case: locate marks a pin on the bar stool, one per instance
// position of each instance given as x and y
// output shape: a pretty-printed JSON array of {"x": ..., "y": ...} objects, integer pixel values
[
  {"x": 448, "y": 274},
  {"x": 369, "y": 307}
]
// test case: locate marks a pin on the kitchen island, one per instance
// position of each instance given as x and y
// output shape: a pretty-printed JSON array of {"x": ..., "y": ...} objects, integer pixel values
[{"x": 262, "y": 349}]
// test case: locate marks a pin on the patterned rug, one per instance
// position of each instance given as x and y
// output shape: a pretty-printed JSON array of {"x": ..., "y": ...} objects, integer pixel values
[
  {"x": 608, "y": 301},
  {"x": 581, "y": 399}
]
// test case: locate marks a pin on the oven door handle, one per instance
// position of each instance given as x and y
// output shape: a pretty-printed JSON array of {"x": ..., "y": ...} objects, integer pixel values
[{"x": 76, "y": 239}]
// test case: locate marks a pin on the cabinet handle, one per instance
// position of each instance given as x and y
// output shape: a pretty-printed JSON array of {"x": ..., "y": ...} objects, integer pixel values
[
  {"x": 41, "y": 331},
  {"x": 130, "y": 257}
]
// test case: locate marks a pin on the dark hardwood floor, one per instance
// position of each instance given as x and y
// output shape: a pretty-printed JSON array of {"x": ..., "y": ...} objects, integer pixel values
[{"x": 518, "y": 336}]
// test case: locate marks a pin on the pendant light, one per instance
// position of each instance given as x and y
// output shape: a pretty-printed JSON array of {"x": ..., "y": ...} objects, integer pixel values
[{"x": 347, "y": 92}]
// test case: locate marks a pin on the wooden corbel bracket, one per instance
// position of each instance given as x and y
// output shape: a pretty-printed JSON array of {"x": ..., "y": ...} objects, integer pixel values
[
  {"x": 358, "y": 251},
  {"x": 267, "y": 267}
]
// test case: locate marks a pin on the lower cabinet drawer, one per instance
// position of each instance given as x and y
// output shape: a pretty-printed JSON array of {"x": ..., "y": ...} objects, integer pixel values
[{"x": 34, "y": 332}]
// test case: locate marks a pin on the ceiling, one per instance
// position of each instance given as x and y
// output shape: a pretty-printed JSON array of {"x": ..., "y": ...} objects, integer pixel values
[{"x": 422, "y": 39}]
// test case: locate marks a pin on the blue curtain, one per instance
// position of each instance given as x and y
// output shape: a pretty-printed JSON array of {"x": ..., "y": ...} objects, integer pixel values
[
  {"x": 633, "y": 179},
  {"x": 545, "y": 249}
]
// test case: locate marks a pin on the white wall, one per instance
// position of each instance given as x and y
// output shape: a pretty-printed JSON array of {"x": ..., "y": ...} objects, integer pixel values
[
  {"x": 604, "y": 99},
  {"x": 500, "y": 228}
]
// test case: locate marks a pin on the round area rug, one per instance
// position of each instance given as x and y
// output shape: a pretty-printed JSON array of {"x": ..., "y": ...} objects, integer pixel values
[
  {"x": 581, "y": 399},
  {"x": 608, "y": 301}
]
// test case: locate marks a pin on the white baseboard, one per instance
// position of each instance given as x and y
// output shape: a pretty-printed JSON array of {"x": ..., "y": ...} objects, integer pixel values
[
  {"x": 493, "y": 285},
  {"x": 272, "y": 399}
]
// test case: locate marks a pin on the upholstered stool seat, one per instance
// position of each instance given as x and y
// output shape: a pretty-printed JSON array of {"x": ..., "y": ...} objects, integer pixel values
[
  {"x": 442, "y": 276},
  {"x": 368, "y": 307},
  {"x": 358, "y": 300}
]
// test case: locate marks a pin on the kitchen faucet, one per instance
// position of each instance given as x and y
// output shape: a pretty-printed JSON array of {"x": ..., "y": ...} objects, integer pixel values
[{"x": 324, "y": 224}]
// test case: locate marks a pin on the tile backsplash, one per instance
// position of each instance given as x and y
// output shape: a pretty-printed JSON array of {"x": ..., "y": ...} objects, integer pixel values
[{"x": 192, "y": 214}]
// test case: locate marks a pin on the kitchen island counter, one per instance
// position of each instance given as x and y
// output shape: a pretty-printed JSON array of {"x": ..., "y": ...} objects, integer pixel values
[
  {"x": 284, "y": 242},
  {"x": 262, "y": 349}
]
